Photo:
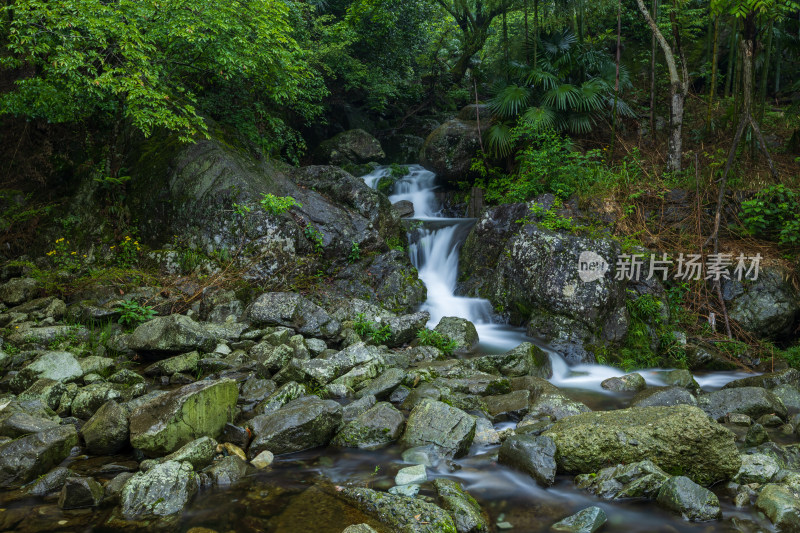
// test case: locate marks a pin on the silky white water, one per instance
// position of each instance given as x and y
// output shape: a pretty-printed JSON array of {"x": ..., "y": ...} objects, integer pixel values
[{"x": 435, "y": 250}]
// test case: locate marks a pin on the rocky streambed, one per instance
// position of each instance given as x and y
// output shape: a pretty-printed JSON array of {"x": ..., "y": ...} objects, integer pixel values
[{"x": 286, "y": 419}]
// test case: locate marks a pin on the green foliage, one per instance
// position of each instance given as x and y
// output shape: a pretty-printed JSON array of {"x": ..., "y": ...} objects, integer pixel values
[
  {"x": 398, "y": 171},
  {"x": 429, "y": 337},
  {"x": 134, "y": 313},
  {"x": 367, "y": 328},
  {"x": 355, "y": 253},
  {"x": 774, "y": 214},
  {"x": 128, "y": 252},
  {"x": 63, "y": 256},
  {"x": 315, "y": 236},
  {"x": 396, "y": 243},
  {"x": 277, "y": 205},
  {"x": 791, "y": 355}
]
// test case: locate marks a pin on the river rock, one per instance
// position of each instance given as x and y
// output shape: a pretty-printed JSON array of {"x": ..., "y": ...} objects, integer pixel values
[
  {"x": 280, "y": 397},
  {"x": 755, "y": 436},
  {"x": 374, "y": 428},
  {"x": 513, "y": 405},
  {"x": 48, "y": 391},
  {"x": 26, "y": 458},
  {"x": 301, "y": 424},
  {"x": 681, "y": 378},
  {"x": 683, "y": 496},
  {"x": 525, "y": 360},
  {"x": 352, "y": 146},
  {"x": 678, "y": 439},
  {"x": 432, "y": 422},
  {"x": 199, "y": 453},
  {"x": 404, "y": 327},
  {"x": 468, "y": 516},
  {"x": 170, "y": 334},
  {"x": 227, "y": 471},
  {"x": 752, "y": 401},
  {"x": 663, "y": 396},
  {"x": 782, "y": 507},
  {"x": 382, "y": 386},
  {"x": 79, "y": 493},
  {"x": 587, "y": 520},
  {"x": 92, "y": 397},
  {"x": 184, "y": 363},
  {"x": 768, "y": 306},
  {"x": 460, "y": 330},
  {"x": 49, "y": 482},
  {"x": 106, "y": 432},
  {"x": 58, "y": 366},
  {"x": 18, "y": 291},
  {"x": 757, "y": 468},
  {"x": 294, "y": 311},
  {"x": 163, "y": 490},
  {"x": 627, "y": 383},
  {"x": 449, "y": 149},
  {"x": 533, "y": 455},
  {"x": 167, "y": 422},
  {"x": 770, "y": 380},
  {"x": 400, "y": 513},
  {"x": 359, "y": 528},
  {"x": 789, "y": 395},
  {"x": 636, "y": 480},
  {"x": 557, "y": 406}
]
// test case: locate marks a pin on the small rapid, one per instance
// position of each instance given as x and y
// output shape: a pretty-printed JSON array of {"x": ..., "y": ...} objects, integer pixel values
[{"x": 434, "y": 251}]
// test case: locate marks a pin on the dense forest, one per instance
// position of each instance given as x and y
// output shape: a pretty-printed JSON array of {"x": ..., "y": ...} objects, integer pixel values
[{"x": 512, "y": 241}]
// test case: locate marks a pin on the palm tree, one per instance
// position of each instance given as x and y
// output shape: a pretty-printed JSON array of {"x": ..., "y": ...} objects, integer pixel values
[{"x": 570, "y": 88}]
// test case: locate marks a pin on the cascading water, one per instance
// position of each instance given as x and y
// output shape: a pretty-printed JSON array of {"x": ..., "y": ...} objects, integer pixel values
[{"x": 434, "y": 251}]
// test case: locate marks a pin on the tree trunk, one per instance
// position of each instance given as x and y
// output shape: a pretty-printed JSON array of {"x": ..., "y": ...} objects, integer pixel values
[
  {"x": 653, "y": 75},
  {"x": 679, "y": 86},
  {"x": 732, "y": 47},
  {"x": 527, "y": 39},
  {"x": 616, "y": 79},
  {"x": 505, "y": 41},
  {"x": 714, "y": 56},
  {"x": 536, "y": 33},
  {"x": 777, "y": 86},
  {"x": 762, "y": 90}
]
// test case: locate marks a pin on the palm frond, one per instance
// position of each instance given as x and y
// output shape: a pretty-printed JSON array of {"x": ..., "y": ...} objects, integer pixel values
[
  {"x": 563, "y": 97},
  {"x": 510, "y": 100},
  {"x": 499, "y": 139},
  {"x": 590, "y": 96},
  {"x": 539, "y": 118},
  {"x": 580, "y": 123},
  {"x": 543, "y": 78}
]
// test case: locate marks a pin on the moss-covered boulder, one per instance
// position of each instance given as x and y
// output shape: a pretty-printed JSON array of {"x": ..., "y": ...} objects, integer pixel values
[
  {"x": 679, "y": 440},
  {"x": 294, "y": 311},
  {"x": 636, "y": 480},
  {"x": 352, "y": 146},
  {"x": 167, "y": 422},
  {"x": 466, "y": 512},
  {"x": 782, "y": 507},
  {"x": 402, "y": 514},
  {"x": 449, "y": 149},
  {"x": 449, "y": 429},
  {"x": 379, "y": 426},
  {"x": 768, "y": 306},
  {"x": 171, "y": 334},
  {"x": 683, "y": 496},
  {"x": 460, "y": 330},
  {"x": 163, "y": 490},
  {"x": 106, "y": 432},
  {"x": 301, "y": 424},
  {"x": 525, "y": 360}
]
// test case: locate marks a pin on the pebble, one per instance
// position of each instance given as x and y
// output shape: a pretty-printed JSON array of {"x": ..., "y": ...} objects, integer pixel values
[{"x": 411, "y": 474}]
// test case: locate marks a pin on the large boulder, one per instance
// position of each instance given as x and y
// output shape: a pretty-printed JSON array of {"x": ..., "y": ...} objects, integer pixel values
[
  {"x": 58, "y": 366},
  {"x": 460, "y": 330},
  {"x": 449, "y": 149},
  {"x": 782, "y": 507},
  {"x": 294, "y": 311},
  {"x": 374, "y": 428},
  {"x": 167, "y": 422},
  {"x": 449, "y": 429},
  {"x": 106, "y": 432},
  {"x": 636, "y": 480},
  {"x": 768, "y": 306},
  {"x": 301, "y": 424},
  {"x": 354, "y": 357},
  {"x": 679, "y": 439},
  {"x": 171, "y": 334},
  {"x": 466, "y": 512},
  {"x": 351, "y": 146},
  {"x": 525, "y": 360},
  {"x": 532, "y": 455},
  {"x": 26, "y": 458},
  {"x": 683, "y": 496},
  {"x": 18, "y": 290},
  {"x": 770, "y": 380},
  {"x": 751, "y": 401},
  {"x": 531, "y": 274},
  {"x": 161, "y": 491}
]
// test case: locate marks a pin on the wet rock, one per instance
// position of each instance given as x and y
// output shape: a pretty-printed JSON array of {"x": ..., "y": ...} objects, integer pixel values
[
  {"x": 340, "y": 364},
  {"x": 352, "y": 146},
  {"x": 677, "y": 439},
  {"x": 18, "y": 291},
  {"x": 92, "y": 397},
  {"x": 199, "y": 453},
  {"x": 79, "y": 493},
  {"x": 375, "y": 428},
  {"x": 171, "y": 334},
  {"x": 411, "y": 474},
  {"x": 436, "y": 423},
  {"x": 756, "y": 435},
  {"x": 58, "y": 366},
  {"x": 403, "y": 209},
  {"x": 263, "y": 459},
  {"x": 113, "y": 488},
  {"x": 768, "y": 306},
  {"x": 226, "y": 471},
  {"x": 28, "y": 457},
  {"x": 533, "y": 455},
  {"x": 587, "y": 520},
  {"x": 466, "y": 512},
  {"x": 404, "y": 327},
  {"x": 301, "y": 424},
  {"x": 271, "y": 357},
  {"x": 282, "y": 395},
  {"x": 627, "y": 383},
  {"x": 752, "y": 401},
  {"x": 738, "y": 419},
  {"x": 525, "y": 360},
  {"x": 770, "y": 380},
  {"x": 49, "y": 482},
  {"x": 681, "y": 378},
  {"x": 125, "y": 377},
  {"x": 460, "y": 330},
  {"x": 770, "y": 421},
  {"x": 789, "y": 395},
  {"x": 106, "y": 432},
  {"x": 782, "y": 507},
  {"x": 357, "y": 407},
  {"x": 683, "y": 496},
  {"x": 93, "y": 364},
  {"x": 167, "y": 422},
  {"x": 48, "y": 391},
  {"x": 161, "y": 491},
  {"x": 382, "y": 386},
  {"x": 400, "y": 513},
  {"x": 294, "y": 311},
  {"x": 513, "y": 405},
  {"x": 449, "y": 149},
  {"x": 663, "y": 396},
  {"x": 636, "y": 480},
  {"x": 557, "y": 406},
  {"x": 757, "y": 468},
  {"x": 186, "y": 362},
  {"x": 359, "y": 528}
]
